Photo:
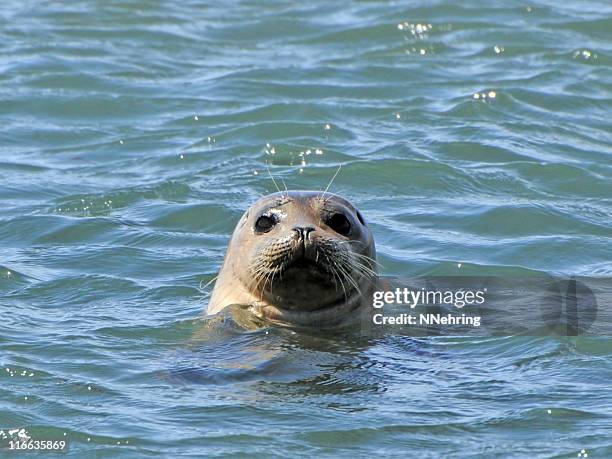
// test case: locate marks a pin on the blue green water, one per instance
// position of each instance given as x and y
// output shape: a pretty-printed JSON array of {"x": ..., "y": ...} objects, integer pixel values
[{"x": 133, "y": 134}]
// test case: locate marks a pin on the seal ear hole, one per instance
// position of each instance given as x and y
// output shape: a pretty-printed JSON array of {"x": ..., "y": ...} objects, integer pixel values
[
  {"x": 339, "y": 223},
  {"x": 264, "y": 223},
  {"x": 360, "y": 218}
]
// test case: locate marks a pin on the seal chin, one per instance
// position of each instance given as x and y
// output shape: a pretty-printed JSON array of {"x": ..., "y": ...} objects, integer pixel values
[{"x": 339, "y": 313}]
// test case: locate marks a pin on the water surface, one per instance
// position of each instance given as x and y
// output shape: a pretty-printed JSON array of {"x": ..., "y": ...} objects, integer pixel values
[{"x": 133, "y": 135}]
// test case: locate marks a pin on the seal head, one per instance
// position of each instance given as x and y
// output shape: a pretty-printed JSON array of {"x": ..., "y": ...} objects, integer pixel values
[{"x": 299, "y": 258}]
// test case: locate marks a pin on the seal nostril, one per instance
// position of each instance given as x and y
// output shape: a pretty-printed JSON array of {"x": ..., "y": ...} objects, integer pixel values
[
  {"x": 303, "y": 231},
  {"x": 307, "y": 231}
]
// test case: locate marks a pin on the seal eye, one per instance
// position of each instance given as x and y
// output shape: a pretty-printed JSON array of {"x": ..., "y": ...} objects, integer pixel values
[
  {"x": 264, "y": 223},
  {"x": 339, "y": 223}
]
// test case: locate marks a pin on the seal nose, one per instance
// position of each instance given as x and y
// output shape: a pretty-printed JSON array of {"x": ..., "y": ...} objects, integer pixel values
[{"x": 303, "y": 231}]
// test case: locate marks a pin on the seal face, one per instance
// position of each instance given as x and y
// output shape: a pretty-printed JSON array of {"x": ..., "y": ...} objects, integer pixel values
[{"x": 299, "y": 258}]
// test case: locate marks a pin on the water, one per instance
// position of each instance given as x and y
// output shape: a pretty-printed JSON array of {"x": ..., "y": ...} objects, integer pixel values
[{"x": 134, "y": 134}]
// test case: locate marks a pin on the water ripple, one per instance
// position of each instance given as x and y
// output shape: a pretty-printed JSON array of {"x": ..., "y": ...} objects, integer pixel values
[{"x": 134, "y": 135}]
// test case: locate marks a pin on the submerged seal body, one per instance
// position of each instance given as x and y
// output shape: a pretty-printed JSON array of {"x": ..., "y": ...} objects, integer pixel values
[{"x": 299, "y": 258}]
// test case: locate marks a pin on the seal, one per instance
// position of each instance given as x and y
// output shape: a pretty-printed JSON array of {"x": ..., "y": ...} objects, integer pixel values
[{"x": 299, "y": 259}]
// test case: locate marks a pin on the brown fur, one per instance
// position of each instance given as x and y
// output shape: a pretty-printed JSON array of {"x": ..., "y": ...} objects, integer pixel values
[{"x": 316, "y": 276}]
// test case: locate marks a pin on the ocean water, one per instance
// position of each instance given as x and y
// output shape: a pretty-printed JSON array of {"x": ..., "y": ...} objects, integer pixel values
[{"x": 474, "y": 136}]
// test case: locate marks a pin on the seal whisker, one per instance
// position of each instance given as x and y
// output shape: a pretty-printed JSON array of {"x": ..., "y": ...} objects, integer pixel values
[
  {"x": 264, "y": 279},
  {"x": 207, "y": 283},
  {"x": 365, "y": 257},
  {"x": 350, "y": 279},
  {"x": 258, "y": 277},
  {"x": 275, "y": 184},
  {"x": 330, "y": 182},
  {"x": 267, "y": 278},
  {"x": 361, "y": 255},
  {"x": 347, "y": 275},
  {"x": 335, "y": 273},
  {"x": 285, "y": 185},
  {"x": 357, "y": 262},
  {"x": 364, "y": 270},
  {"x": 272, "y": 282}
]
